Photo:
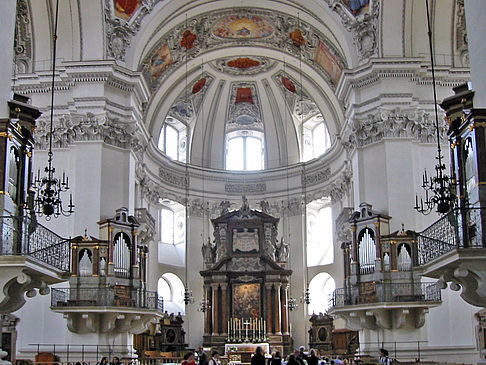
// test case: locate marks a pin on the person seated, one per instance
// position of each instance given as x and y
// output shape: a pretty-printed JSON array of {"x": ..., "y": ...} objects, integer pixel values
[{"x": 189, "y": 359}]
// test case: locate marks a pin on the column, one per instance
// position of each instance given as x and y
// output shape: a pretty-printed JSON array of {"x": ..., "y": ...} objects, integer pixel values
[
  {"x": 96, "y": 261},
  {"x": 214, "y": 289},
  {"x": 284, "y": 306},
  {"x": 208, "y": 313},
  {"x": 224, "y": 308},
  {"x": 110, "y": 265},
  {"x": 277, "y": 313},
  {"x": 269, "y": 319},
  {"x": 378, "y": 265},
  {"x": 8, "y": 9},
  {"x": 74, "y": 262}
]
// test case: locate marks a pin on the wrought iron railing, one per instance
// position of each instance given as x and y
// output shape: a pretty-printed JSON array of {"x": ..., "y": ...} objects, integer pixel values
[
  {"x": 386, "y": 292},
  {"x": 460, "y": 228},
  {"x": 106, "y": 297},
  {"x": 22, "y": 236}
]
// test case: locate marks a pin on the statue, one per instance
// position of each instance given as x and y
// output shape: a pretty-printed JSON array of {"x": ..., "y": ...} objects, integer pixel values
[
  {"x": 265, "y": 206},
  {"x": 281, "y": 250},
  {"x": 245, "y": 207},
  {"x": 208, "y": 251},
  {"x": 224, "y": 206}
]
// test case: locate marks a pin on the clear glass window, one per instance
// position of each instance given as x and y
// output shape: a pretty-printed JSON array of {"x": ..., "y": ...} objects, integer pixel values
[{"x": 244, "y": 153}]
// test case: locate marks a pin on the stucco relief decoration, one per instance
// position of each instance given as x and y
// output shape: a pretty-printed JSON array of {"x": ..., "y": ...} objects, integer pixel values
[
  {"x": 125, "y": 8},
  {"x": 244, "y": 27},
  {"x": 297, "y": 38},
  {"x": 289, "y": 85},
  {"x": 244, "y": 108},
  {"x": 243, "y": 62},
  {"x": 245, "y": 188},
  {"x": 23, "y": 38},
  {"x": 198, "y": 86},
  {"x": 172, "y": 178},
  {"x": 188, "y": 39},
  {"x": 417, "y": 124},
  {"x": 236, "y": 26},
  {"x": 122, "y": 21},
  {"x": 461, "y": 33},
  {"x": 360, "y": 17}
]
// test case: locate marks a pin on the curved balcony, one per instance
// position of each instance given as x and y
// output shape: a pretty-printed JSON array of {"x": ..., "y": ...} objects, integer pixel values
[
  {"x": 384, "y": 305},
  {"x": 31, "y": 257},
  {"x": 453, "y": 249}
]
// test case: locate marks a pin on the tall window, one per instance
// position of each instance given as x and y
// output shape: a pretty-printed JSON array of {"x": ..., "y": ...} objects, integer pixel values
[
  {"x": 316, "y": 138},
  {"x": 320, "y": 249},
  {"x": 172, "y": 139},
  {"x": 167, "y": 226},
  {"x": 244, "y": 151},
  {"x": 172, "y": 230}
]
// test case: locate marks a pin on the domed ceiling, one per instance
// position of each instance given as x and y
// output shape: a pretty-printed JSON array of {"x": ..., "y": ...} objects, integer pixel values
[{"x": 231, "y": 82}]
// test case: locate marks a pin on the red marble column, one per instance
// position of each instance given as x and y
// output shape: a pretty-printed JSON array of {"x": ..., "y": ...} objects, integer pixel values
[
  {"x": 285, "y": 313},
  {"x": 75, "y": 260},
  {"x": 269, "y": 319},
  {"x": 214, "y": 288},
  {"x": 208, "y": 313},
  {"x": 277, "y": 312},
  {"x": 224, "y": 308}
]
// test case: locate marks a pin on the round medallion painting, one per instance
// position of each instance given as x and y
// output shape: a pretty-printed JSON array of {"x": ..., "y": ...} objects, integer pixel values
[{"x": 242, "y": 27}]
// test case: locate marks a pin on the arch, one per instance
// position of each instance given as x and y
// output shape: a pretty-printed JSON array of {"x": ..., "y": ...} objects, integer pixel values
[
  {"x": 321, "y": 288},
  {"x": 171, "y": 288}
]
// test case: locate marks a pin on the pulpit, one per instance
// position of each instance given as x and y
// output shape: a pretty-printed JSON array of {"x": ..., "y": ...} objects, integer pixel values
[{"x": 246, "y": 281}]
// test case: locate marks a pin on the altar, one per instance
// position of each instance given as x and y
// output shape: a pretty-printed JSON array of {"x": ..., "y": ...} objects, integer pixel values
[
  {"x": 242, "y": 352},
  {"x": 246, "y": 281}
]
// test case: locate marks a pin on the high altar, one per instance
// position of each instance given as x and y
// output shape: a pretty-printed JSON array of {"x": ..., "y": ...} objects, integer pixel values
[{"x": 246, "y": 281}]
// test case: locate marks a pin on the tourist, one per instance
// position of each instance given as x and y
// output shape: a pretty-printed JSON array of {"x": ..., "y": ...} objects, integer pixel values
[
  {"x": 384, "y": 359},
  {"x": 116, "y": 361},
  {"x": 103, "y": 361},
  {"x": 189, "y": 359},
  {"x": 203, "y": 357},
  {"x": 258, "y": 358},
  {"x": 292, "y": 360},
  {"x": 312, "y": 359},
  {"x": 214, "y": 358},
  {"x": 276, "y": 359}
]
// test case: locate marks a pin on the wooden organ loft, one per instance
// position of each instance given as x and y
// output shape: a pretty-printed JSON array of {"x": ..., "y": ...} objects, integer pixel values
[
  {"x": 107, "y": 291},
  {"x": 246, "y": 281},
  {"x": 382, "y": 288}
]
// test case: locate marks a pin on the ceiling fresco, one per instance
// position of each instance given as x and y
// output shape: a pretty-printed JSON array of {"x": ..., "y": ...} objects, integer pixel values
[
  {"x": 124, "y": 9},
  {"x": 243, "y": 65},
  {"x": 242, "y": 28}
]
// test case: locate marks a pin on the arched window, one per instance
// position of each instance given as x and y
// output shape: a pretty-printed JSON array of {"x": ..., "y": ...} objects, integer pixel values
[
  {"x": 320, "y": 249},
  {"x": 171, "y": 288},
  {"x": 321, "y": 288},
  {"x": 172, "y": 229},
  {"x": 316, "y": 138},
  {"x": 244, "y": 151},
  {"x": 173, "y": 138}
]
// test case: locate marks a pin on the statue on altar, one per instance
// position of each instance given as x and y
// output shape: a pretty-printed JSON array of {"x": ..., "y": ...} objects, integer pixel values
[{"x": 209, "y": 251}]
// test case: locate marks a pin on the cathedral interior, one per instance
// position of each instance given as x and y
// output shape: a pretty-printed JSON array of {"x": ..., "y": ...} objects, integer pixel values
[{"x": 231, "y": 174}]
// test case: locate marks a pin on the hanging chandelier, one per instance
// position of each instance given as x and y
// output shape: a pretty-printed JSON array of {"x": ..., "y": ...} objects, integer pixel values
[
  {"x": 437, "y": 188},
  {"x": 48, "y": 188}
]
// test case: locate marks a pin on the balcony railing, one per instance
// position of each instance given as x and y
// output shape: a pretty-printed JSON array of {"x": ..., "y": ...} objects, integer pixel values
[
  {"x": 460, "y": 228},
  {"x": 22, "y": 236},
  {"x": 387, "y": 292},
  {"x": 106, "y": 297}
]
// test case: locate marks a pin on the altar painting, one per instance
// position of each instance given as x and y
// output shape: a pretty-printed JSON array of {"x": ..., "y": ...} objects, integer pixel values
[
  {"x": 245, "y": 27},
  {"x": 126, "y": 8},
  {"x": 246, "y": 300},
  {"x": 328, "y": 62}
]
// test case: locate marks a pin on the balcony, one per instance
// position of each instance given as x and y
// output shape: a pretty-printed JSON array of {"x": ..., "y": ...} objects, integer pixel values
[
  {"x": 110, "y": 309},
  {"x": 453, "y": 249},
  {"x": 31, "y": 257},
  {"x": 384, "y": 305}
]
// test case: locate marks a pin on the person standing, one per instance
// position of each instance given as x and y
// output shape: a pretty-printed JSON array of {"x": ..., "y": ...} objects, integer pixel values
[
  {"x": 203, "y": 357},
  {"x": 312, "y": 359},
  {"x": 258, "y": 358},
  {"x": 214, "y": 358},
  {"x": 276, "y": 359},
  {"x": 384, "y": 359}
]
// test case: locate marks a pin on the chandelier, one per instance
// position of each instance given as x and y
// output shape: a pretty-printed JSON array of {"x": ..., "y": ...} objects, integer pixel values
[
  {"x": 437, "y": 188},
  {"x": 49, "y": 188}
]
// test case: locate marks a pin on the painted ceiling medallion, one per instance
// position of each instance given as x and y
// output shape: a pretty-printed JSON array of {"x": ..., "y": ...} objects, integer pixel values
[
  {"x": 198, "y": 86},
  {"x": 188, "y": 39},
  {"x": 289, "y": 85},
  {"x": 357, "y": 7},
  {"x": 124, "y": 9},
  {"x": 243, "y": 62},
  {"x": 238, "y": 27},
  {"x": 297, "y": 37},
  {"x": 244, "y": 95},
  {"x": 160, "y": 60}
]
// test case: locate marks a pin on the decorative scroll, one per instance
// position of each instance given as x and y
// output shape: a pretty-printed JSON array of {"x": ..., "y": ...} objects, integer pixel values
[{"x": 246, "y": 241}]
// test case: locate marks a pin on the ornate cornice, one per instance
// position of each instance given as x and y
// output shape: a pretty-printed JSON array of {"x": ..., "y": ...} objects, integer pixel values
[{"x": 412, "y": 124}]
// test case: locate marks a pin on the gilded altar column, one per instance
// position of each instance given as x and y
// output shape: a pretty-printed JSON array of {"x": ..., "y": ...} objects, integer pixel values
[
  {"x": 284, "y": 308},
  {"x": 75, "y": 260},
  {"x": 378, "y": 263},
  {"x": 268, "y": 289},
  {"x": 224, "y": 308},
  {"x": 277, "y": 312},
  {"x": 214, "y": 289}
]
